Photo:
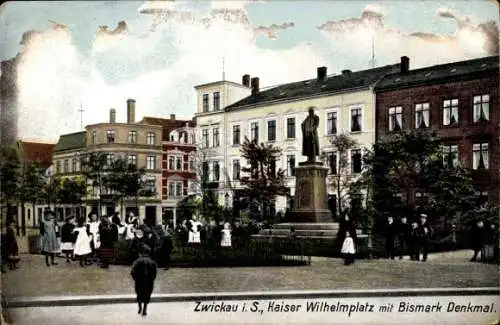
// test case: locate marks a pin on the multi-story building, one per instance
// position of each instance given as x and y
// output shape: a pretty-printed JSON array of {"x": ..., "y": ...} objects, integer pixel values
[
  {"x": 66, "y": 163},
  {"x": 179, "y": 168},
  {"x": 459, "y": 101},
  {"x": 345, "y": 103},
  {"x": 139, "y": 143},
  {"x": 31, "y": 152},
  {"x": 212, "y": 129}
]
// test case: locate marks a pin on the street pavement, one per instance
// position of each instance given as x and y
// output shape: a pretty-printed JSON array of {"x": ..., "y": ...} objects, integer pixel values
[{"x": 444, "y": 270}]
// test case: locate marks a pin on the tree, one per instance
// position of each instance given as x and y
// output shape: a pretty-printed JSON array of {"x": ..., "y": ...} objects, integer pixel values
[
  {"x": 342, "y": 177},
  {"x": 31, "y": 187},
  {"x": 71, "y": 191},
  {"x": 94, "y": 166},
  {"x": 10, "y": 171},
  {"x": 263, "y": 182}
]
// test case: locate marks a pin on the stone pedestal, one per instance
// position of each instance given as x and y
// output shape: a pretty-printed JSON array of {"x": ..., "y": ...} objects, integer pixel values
[{"x": 311, "y": 199}]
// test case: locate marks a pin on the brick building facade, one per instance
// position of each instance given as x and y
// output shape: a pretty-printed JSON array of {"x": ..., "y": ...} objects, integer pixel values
[{"x": 458, "y": 101}]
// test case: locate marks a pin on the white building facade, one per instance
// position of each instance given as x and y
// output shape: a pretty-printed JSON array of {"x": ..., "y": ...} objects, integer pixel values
[{"x": 344, "y": 103}]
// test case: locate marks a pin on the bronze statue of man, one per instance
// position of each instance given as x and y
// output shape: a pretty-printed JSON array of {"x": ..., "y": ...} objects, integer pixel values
[{"x": 310, "y": 142}]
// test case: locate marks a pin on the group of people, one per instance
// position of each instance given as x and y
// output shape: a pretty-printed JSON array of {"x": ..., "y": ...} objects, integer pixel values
[
  {"x": 403, "y": 238},
  {"x": 193, "y": 232}
]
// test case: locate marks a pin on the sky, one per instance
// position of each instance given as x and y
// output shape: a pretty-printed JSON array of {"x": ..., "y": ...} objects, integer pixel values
[{"x": 93, "y": 55}]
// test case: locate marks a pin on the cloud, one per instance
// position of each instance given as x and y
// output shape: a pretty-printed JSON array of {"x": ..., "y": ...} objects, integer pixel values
[
  {"x": 468, "y": 40},
  {"x": 272, "y": 30},
  {"x": 105, "y": 38}
]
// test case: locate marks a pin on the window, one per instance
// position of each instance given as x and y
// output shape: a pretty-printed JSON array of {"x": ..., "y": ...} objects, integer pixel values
[
  {"x": 254, "y": 129},
  {"x": 205, "y": 103},
  {"x": 481, "y": 108},
  {"x": 132, "y": 136},
  {"x": 58, "y": 167},
  {"x": 110, "y": 136},
  {"x": 73, "y": 165},
  {"x": 332, "y": 162},
  {"x": 150, "y": 185},
  {"x": 236, "y": 169},
  {"x": 178, "y": 163},
  {"x": 290, "y": 163},
  {"x": 356, "y": 119},
  {"x": 151, "y": 162},
  {"x": 205, "y": 171},
  {"x": 171, "y": 162},
  {"x": 236, "y": 134},
  {"x": 132, "y": 160},
  {"x": 216, "y": 142},
  {"x": 94, "y": 136},
  {"x": 216, "y": 101},
  {"x": 450, "y": 112},
  {"x": 272, "y": 166},
  {"x": 204, "y": 140},
  {"x": 175, "y": 188},
  {"x": 480, "y": 156},
  {"x": 109, "y": 159},
  {"x": 271, "y": 130},
  {"x": 216, "y": 170},
  {"x": 356, "y": 162},
  {"x": 331, "y": 123},
  {"x": 151, "y": 138},
  {"x": 450, "y": 155},
  {"x": 191, "y": 163},
  {"x": 422, "y": 114},
  {"x": 395, "y": 118},
  {"x": 290, "y": 128},
  {"x": 66, "y": 165}
]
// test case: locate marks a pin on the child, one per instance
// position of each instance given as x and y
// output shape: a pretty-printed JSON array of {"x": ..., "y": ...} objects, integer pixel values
[
  {"x": 68, "y": 238},
  {"x": 49, "y": 245},
  {"x": 108, "y": 236},
  {"x": 11, "y": 248},
  {"x": 144, "y": 273},
  {"x": 348, "y": 249},
  {"x": 82, "y": 243},
  {"x": 226, "y": 236},
  {"x": 93, "y": 226}
]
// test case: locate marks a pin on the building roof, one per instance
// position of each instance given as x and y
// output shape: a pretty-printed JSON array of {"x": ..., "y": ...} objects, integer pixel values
[
  {"x": 70, "y": 141},
  {"x": 34, "y": 151},
  {"x": 213, "y": 83},
  {"x": 167, "y": 124},
  {"x": 313, "y": 87},
  {"x": 439, "y": 73}
]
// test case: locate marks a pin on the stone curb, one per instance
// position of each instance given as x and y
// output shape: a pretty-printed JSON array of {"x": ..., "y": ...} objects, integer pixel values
[{"x": 60, "y": 301}]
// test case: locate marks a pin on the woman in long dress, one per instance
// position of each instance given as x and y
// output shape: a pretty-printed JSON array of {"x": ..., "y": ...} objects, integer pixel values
[
  {"x": 94, "y": 233},
  {"x": 49, "y": 244},
  {"x": 83, "y": 239}
]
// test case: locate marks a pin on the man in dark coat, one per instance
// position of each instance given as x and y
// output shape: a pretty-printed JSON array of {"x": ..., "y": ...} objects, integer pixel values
[
  {"x": 478, "y": 236},
  {"x": 405, "y": 240},
  {"x": 423, "y": 234},
  {"x": 108, "y": 236},
  {"x": 391, "y": 231},
  {"x": 144, "y": 274}
]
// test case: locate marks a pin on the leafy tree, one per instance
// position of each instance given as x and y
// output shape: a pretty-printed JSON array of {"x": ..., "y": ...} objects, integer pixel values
[
  {"x": 263, "y": 183},
  {"x": 31, "y": 187},
  {"x": 10, "y": 171},
  {"x": 342, "y": 177},
  {"x": 71, "y": 190},
  {"x": 94, "y": 166}
]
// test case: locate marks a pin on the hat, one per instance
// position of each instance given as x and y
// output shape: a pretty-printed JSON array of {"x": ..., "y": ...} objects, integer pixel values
[
  {"x": 423, "y": 215},
  {"x": 69, "y": 218}
]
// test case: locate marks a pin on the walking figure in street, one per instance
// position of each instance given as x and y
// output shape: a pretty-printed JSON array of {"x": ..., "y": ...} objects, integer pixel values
[
  {"x": 68, "y": 238},
  {"x": 424, "y": 232},
  {"x": 348, "y": 249},
  {"x": 49, "y": 245},
  {"x": 144, "y": 274},
  {"x": 405, "y": 241},
  {"x": 82, "y": 243},
  {"x": 390, "y": 237},
  {"x": 478, "y": 236}
]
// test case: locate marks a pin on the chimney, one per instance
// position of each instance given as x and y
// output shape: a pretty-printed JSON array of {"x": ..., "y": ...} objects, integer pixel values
[
  {"x": 130, "y": 111},
  {"x": 245, "y": 80},
  {"x": 255, "y": 85},
  {"x": 112, "y": 115},
  {"x": 405, "y": 64},
  {"x": 321, "y": 73},
  {"x": 346, "y": 72},
  {"x": 172, "y": 117}
]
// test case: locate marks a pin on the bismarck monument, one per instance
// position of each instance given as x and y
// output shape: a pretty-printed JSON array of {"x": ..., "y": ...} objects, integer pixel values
[
  {"x": 311, "y": 199},
  {"x": 309, "y": 217}
]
